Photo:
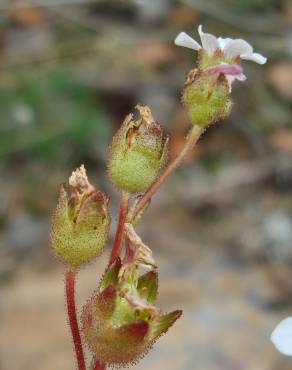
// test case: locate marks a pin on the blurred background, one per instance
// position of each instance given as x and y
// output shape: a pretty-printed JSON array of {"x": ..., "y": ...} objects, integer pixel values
[{"x": 221, "y": 228}]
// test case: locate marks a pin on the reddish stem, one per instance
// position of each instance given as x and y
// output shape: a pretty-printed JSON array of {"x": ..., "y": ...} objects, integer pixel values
[
  {"x": 71, "y": 308},
  {"x": 124, "y": 207},
  {"x": 191, "y": 140},
  {"x": 99, "y": 366}
]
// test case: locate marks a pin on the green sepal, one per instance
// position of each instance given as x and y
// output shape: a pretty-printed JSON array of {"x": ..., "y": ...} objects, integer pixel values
[
  {"x": 111, "y": 275},
  {"x": 148, "y": 286},
  {"x": 106, "y": 300},
  {"x": 207, "y": 60},
  {"x": 206, "y": 97},
  {"x": 118, "y": 346},
  {"x": 162, "y": 323},
  {"x": 134, "y": 332}
]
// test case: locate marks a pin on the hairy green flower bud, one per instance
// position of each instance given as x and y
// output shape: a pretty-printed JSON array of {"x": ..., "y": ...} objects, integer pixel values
[
  {"x": 206, "y": 97},
  {"x": 80, "y": 224},
  {"x": 120, "y": 321},
  {"x": 138, "y": 152}
]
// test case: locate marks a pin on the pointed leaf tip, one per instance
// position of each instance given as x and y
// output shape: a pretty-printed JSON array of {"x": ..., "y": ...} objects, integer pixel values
[
  {"x": 111, "y": 274},
  {"x": 162, "y": 323}
]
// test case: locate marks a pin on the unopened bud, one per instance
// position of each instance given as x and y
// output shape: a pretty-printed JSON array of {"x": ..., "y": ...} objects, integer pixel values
[
  {"x": 138, "y": 152},
  {"x": 206, "y": 96},
  {"x": 80, "y": 224}
]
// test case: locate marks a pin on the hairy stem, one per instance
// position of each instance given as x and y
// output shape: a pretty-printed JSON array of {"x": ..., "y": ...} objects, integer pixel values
[
  {"x": 124, "y": 207},
  {"x": 71, "y": 308},
  {"x": 191, "y": 140}
]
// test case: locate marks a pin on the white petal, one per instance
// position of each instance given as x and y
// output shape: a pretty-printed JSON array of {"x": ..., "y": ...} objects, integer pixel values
[
  {"x": 255, "y": 57},
  {"x": 237, "y": 47},
  {"x": 183, "y": 39},
  {"x": 241, "y": 77},
  {"x": 209, "y": 42},
  {"x": 282, "y": 336},
  {"x": 231, "y": 79},
  {"x": 223, "y": 41}
]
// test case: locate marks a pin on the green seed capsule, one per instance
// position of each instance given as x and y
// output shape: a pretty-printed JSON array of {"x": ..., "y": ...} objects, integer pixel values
[
  {"x": 138, "y": 152},
  {"x": 80, "y": 224}
]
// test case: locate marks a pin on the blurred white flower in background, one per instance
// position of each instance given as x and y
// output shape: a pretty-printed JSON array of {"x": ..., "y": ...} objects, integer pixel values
[{"x": 282, "y": 336}]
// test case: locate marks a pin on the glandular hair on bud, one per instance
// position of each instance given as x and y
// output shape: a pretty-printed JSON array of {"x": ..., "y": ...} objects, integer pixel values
[
  {"x": 80, "y": 223},
  {"x": 206, "y": 97},
  {"x": 138, "y": 152}
]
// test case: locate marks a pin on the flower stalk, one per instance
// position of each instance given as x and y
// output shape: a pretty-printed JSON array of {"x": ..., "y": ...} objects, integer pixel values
[
  {"x": 123, "y": 212},
  {"x": 191, "y": 140},
  {"x": 70, "y": 278}
]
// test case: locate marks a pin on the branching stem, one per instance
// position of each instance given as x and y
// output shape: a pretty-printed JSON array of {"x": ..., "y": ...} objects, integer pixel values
[
  {"x": 124, "y": 207},
  {"x": 72, "y": 315},
  {"x": 191, "y": 140}
]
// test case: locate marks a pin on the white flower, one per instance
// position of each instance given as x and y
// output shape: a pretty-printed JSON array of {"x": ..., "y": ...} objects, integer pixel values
[
  {"x": 282, "y": 336},
  {"x": 231, "y": 49}
]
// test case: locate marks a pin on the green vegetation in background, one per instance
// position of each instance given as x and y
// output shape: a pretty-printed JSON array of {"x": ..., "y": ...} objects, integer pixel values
[
  {"x": 254, "y": 6},
  {"x": 51, "y": 115}
]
